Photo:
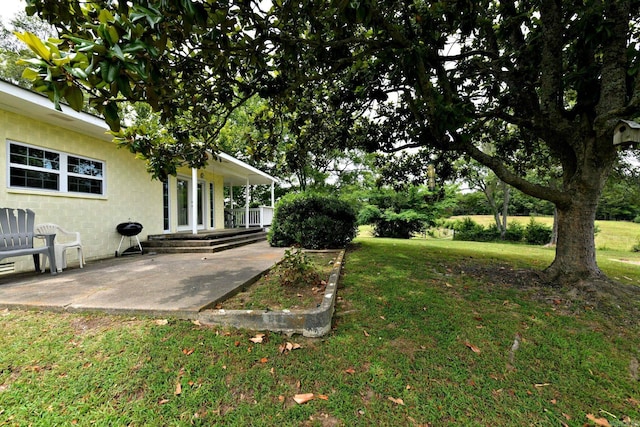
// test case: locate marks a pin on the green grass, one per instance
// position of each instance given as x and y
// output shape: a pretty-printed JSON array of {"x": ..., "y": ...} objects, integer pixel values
[{"x": 409, "y": 315}]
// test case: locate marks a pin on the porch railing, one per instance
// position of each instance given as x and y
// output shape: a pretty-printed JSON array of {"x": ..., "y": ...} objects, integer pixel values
[{"x": 258, "y": 217}]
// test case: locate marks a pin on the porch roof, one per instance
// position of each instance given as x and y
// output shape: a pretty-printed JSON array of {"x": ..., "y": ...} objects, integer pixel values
[{"x": 237, "y": 173}]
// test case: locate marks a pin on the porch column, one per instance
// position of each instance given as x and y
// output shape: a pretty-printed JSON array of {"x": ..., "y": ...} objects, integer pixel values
[
  {"x": 273, "y": 198},
  {"x": 194, "y": 200},
  {"x": 247, "y": 196}
]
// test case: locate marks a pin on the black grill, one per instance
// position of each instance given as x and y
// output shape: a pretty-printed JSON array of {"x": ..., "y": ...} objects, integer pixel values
[{"x": 129, "y": 229}]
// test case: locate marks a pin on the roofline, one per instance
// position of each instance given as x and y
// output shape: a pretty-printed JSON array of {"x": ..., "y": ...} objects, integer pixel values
[
  {"x": 242, "y": 164},
  {"x": 42, "y": 101},
  {"x": 90, "y": 124}
]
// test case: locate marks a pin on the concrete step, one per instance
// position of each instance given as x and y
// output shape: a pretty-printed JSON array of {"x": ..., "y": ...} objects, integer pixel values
[
  {"x": 203, "y": 242},
  {"x": 209, "y": 248},
  {"x": 206, "y": 235}
]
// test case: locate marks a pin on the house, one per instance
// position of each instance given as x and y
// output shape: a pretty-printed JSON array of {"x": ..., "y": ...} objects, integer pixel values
[{"x": 63, "y": 166}]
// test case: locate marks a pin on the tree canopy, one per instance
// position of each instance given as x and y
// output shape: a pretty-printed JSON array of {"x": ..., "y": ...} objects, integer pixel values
[{"x": 556, "y": 76}]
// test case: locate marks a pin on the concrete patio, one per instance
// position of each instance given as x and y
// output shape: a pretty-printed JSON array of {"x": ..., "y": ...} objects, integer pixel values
[{"x": 177, "y": 285}]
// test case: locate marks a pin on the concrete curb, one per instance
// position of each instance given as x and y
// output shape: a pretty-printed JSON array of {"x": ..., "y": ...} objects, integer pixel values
[{"x": 310, "y": 323}]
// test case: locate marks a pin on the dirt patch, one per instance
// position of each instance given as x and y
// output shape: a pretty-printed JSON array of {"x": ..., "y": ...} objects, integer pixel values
[
  {"x": 619, "y": 302},
  {"x": 268, "y": 293}
]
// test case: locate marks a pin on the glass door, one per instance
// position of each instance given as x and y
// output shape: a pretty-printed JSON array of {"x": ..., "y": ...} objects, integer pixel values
[{"x": 184, "y": 204}]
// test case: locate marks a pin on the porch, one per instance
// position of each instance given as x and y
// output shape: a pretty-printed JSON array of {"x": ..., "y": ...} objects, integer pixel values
[
  {"x": 204, "y": 198},
  {"x": 258, "y": 217}
]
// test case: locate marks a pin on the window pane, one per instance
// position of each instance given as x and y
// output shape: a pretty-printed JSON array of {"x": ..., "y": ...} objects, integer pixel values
[
  {"x": 33, "y": 179},
  {"x": 84, "y": 166},
  {"x": 34, "y": 157},
  {"x": 84, "y": 185}
]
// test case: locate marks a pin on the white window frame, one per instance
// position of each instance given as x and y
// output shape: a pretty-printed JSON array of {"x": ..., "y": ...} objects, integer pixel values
[{"x": 63, "y": 172}]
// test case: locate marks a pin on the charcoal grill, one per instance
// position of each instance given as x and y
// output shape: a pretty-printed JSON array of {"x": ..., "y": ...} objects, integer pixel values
[{"x": 129, "y": 229}]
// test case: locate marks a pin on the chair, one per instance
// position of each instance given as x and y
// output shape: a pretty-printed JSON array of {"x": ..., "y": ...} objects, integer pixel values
[
  {"x": 64, "y": 240},
  {"x": 16, "y": 237}
]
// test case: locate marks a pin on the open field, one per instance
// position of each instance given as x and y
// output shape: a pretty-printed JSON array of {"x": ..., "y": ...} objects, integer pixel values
[
  {"x": 614, "y": 235},
  {"x": 426, "y": 332}
]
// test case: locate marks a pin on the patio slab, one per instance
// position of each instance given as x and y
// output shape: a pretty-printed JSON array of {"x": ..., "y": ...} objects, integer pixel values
[{"x": 178, "y": 285}]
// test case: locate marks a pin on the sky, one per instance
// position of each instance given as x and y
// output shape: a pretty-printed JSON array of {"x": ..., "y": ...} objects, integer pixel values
[{"x": 9, "y": 8}]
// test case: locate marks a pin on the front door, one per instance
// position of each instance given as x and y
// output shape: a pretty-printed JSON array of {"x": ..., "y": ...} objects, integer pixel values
[{"x": 184, "y": 204}]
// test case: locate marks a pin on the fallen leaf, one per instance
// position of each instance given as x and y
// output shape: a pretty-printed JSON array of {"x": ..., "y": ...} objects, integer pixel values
[
  {"x": 542, "y": 385},
  {"x": 163, "y": 401},
  {"x": 188, "y": 351},
  {"x": 633, "y": 401},
  {"x": 397, "y": 401},
  {"x": 196, "y": 322},
  {"x": 281, "y": 398},
  {"x": 350, "y": 371},
  {"x": 259, "y": 338},
  {"x": 178, "y": 389},
  {"x": 366, "y": 334},
  {"x": 293, "y": 346},
  {"x": 323, "y": 397},
  {"x": 602, "y": 422},
  {"x": 161, "y": 322},
  {"x": 303, "y": 398},
  {"x": 472, "y": 347},
  {"x": 264, "y": 360}
]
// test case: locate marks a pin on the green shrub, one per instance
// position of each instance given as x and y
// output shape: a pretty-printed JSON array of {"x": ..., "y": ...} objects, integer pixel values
[
  {"x": 313, "y": 222},
  {"x": 536, "y": 233},
  {"x": 515, "y": 232},
  {"x": 469, "y": 230}
]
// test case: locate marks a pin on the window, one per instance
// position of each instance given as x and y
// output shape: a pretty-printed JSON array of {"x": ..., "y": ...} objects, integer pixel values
[{"x": 37, "y": 168}]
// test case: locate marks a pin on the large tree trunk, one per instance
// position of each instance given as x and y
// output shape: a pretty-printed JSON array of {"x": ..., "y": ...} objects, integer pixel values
[{"x": 575, "y": 259}]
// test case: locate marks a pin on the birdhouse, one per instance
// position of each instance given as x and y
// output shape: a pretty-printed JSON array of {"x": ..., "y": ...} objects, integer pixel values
[{"x": 626, "y": 133}]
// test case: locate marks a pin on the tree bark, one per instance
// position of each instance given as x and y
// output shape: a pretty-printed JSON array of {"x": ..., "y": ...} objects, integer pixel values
[{"x": 575, "y": 259}]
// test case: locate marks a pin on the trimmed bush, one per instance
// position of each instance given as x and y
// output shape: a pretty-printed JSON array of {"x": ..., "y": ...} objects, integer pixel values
[
  {"x": 515, "y": 232},
  {"x": 536, "y": 233},
  {"x": 312, "y": 222}
]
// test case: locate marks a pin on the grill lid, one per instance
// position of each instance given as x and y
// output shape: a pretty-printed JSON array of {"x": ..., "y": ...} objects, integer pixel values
[{"x": 129, "y": 228}]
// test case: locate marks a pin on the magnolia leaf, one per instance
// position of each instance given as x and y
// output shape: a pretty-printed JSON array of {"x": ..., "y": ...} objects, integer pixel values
[
  {"x": 35, "y": 44},
  {"x": 397, "y": 401},
  {"x": 259, "y": 338},
  {"x": 74, "y": 97},
  {"x": 602, "y": 422},
  {"x": 303, "y": 398},
  {"x": 178, "y": 389},
  {"x": 472, "y": 347}
]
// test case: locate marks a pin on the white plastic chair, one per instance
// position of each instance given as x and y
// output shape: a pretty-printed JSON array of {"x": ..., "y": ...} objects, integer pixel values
[{"x": 64, "y": 240}]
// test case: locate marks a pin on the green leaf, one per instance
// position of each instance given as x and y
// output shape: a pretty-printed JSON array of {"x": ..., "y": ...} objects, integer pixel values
[
  {"x": 74, "y": 97},
  {"x": 111, "y": 116},
  {"x": 30, "y": 74},
  {"x": 117, "y": 52},
  {"x": 35, "y": 44},
  {"x": 105, "y": 16}
]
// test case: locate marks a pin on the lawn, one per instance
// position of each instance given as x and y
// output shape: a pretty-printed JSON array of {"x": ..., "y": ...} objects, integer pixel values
[{"x": 426, "y": 332}]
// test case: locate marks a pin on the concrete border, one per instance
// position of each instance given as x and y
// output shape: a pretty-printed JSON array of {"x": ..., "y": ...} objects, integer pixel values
[{"x": 310, "y": 323}]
